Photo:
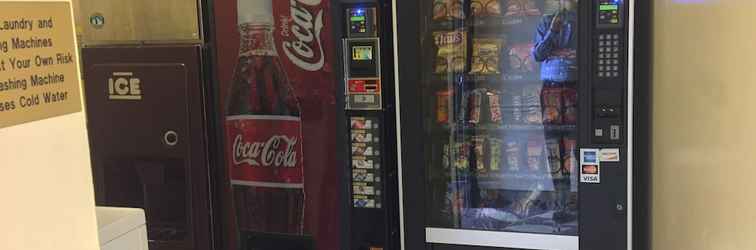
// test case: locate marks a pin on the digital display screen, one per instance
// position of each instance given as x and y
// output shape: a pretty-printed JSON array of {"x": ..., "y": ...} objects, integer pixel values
[
  {"x": 361, "y": 22},
  {"x": 362, "y": 53},
  {"x": 608, "y": 7},
  {"x": 609, "y": 12}
]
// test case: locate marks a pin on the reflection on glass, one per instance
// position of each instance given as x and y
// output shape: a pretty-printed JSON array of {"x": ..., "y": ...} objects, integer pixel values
[{"x": 499, "y": 90}]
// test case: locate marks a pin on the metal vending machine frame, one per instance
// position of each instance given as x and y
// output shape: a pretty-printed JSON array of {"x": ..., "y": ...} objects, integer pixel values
[{"x": 614, "y": 114}]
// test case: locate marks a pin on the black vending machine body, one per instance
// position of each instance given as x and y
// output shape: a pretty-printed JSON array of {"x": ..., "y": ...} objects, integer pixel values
[
  {"x": 368, "y": 125},
  {"x": 147, "y": 131},
  {"x": 523, "y": 124}
]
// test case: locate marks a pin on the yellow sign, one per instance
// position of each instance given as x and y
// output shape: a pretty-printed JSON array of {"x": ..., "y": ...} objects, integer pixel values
[{"x": 39, "y": 64}]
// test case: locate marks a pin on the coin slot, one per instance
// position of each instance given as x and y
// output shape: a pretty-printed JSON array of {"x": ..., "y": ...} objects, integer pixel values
[{"x": 170, "y": 138}]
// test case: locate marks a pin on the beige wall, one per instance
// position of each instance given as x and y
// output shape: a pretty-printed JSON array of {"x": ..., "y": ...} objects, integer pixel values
[
  {"x": 46, "y": 194},
  {"x": 704, "y": 125}
]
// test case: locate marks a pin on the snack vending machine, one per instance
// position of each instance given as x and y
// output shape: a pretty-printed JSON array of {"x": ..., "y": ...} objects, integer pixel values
[{"x": 523, "y": 124}]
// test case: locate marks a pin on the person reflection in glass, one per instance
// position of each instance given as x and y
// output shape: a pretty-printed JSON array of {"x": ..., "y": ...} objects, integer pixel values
[{"x": 555, "y": 47}]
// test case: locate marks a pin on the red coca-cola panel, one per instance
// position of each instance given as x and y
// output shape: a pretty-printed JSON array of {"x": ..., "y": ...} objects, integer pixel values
[
  {"x": 303, "y": 41},
  {"x": 265, "y": 151}
]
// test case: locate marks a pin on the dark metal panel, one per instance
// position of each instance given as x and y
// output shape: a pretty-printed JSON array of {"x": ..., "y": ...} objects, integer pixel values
[
  {"x": 372, "y": 227},
  {"x": 134, "y": 166},
  {"x": 413, "y": 169},
  {"x": 642, "y": 146}
]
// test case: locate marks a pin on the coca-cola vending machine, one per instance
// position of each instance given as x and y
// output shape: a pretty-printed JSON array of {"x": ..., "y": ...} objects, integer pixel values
[
  {"x": 275, "y": 67},
  {"x": 306, "y": 124}
]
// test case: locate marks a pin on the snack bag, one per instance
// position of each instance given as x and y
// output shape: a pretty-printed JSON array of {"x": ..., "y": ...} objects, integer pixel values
[
  {"x": 477, "y": 145},
  {"x": 552, "y": 105},
  {"x": 485, "y": 58},
  {"x": 532, "y": 105},
  {"x": 485, "y": 8},
  {"x": 495, "y": 145},
  {"x": 494, "y": 107},
  {"x": 475, "y": 100},
  {"x": 520, "y": 58},
  {"x": 569, "y": 97},
  {"x": 448, "y": 10},
  {"x": 535, "y": 153},
  {"x": 522, "y": 8},
  {"x": 553, "y": 147},
  {"x": 452, "y": 51},
  {"x": 512, "y": 152},
  {"x": 443, "y": 103},
  {"x": 569, "y": 160}
]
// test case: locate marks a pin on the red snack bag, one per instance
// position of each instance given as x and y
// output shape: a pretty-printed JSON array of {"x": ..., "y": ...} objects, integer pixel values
[
  {"x": 569, "y": 97},
  {"x": 494, "y": 106},
  {"x": 443, "y": 102},
  {"x": 552, "y": 105}
]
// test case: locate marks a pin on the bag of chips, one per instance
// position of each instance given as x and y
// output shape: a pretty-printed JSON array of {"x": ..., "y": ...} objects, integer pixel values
[
  {"x": 475, "y": 100},
  {"x": 443, "y": 103},
  {"x": 485, "y": 56},
  {"x": 522, "y": 8},
  {"x": 478, "y": 142},
  {"x": 486, "y": 8},
  {"x": 569, "y": 96},
  {"x": 569, "y": 159},
  {"x": 553, "y": 148},
  {"x": 452, "y": 51},
  {"x": 494, "y": 107},
  {"x": 512, "y": 152},
  {"x": 495, "y": 146},
  {"x": 512, "y": 107},
  {"x": 461, "y": 155},
  {"x": 531, "y": 97},
  {"x": 552, "y": 105},
  {"x": 520, "y": 58},
  {"x": 448, "y": 10},
  {"x": 535, "y": 153}
]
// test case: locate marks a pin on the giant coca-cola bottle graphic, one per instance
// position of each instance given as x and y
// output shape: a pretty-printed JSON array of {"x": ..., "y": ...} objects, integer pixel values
[{"x": 263, "y": 132}]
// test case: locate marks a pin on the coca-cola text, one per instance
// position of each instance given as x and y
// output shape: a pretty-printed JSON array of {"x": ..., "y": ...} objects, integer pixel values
[
  {"x": 304, "y": 49},
  {"x": 269, "y": 153}
]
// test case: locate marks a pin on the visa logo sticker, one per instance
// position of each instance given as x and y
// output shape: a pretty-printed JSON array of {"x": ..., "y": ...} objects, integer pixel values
[
  {"x": 590, "y": 174},
  {"x": 124, "y": 86},
  {"x": 590, "y": 171}
]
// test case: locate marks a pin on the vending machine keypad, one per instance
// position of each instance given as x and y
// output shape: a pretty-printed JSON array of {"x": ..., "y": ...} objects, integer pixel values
[{"x": 609, "y": 54}]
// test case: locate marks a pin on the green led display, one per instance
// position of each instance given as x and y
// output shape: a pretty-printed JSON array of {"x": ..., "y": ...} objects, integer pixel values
[
  {"x": 605, "y": 7},
  {"x": 357, "y": 18}
]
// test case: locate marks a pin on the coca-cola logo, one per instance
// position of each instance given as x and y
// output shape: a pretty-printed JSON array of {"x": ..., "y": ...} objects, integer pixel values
[
  {"x": 303, "y": 46},
  {"x": 277, "y": 151}
]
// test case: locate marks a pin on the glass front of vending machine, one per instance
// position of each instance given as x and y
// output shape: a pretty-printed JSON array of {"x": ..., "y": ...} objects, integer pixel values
[{"x": 523, "y": 124}]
